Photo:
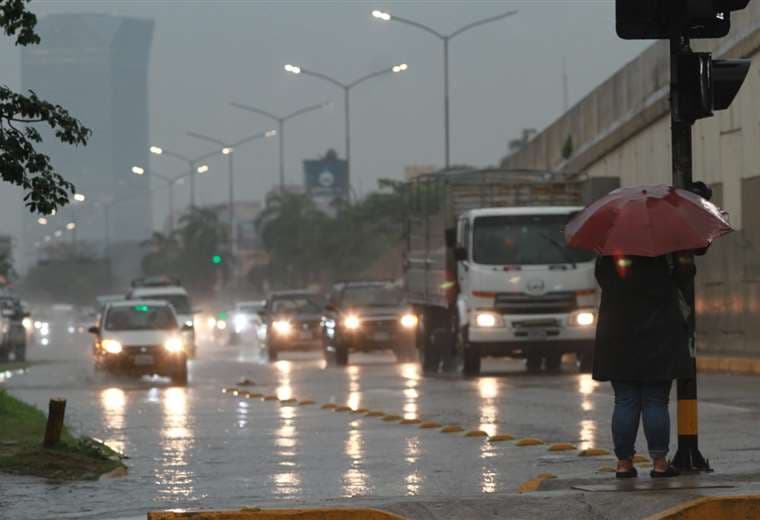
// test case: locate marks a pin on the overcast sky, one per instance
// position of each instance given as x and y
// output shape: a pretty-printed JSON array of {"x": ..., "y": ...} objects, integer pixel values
[{"x": 504, "y": 77}]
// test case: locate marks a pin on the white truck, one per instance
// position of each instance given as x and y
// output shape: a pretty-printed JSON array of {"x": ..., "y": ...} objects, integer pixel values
[{"x": 489, "y": 274}]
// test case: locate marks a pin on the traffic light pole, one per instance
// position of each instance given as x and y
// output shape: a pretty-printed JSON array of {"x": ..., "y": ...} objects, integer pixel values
[{"x": 688, "y": 457}]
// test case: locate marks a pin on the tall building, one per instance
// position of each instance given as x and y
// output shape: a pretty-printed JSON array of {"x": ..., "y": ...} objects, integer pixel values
[{"x": 96, "y": 66}]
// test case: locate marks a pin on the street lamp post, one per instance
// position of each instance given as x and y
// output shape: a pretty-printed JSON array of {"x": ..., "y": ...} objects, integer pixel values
[
  {"x": 281, "y": 120},
  {"x": 194, "y": 166},
  {"x": 445, "y": 38},
  {"x": 228, "y": 149},
  {"x": 346, "y": 87},
  {"x": 170, "y": 182}
]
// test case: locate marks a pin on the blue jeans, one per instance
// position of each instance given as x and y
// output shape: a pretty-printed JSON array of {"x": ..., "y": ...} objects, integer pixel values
[{"x": 632, "y": 401}]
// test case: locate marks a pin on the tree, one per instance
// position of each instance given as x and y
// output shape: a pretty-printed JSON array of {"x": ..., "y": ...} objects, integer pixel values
[{"x": 20, "y": 163}]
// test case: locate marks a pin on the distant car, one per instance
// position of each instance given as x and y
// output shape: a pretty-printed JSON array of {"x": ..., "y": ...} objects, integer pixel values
[
  {"x": 292, "y": 320},
  {"x": 246, "y": 320},
  {"x": 170, "y": 290},
  {"x": 12, "y": 331},
  {"x": 366, "y": 317},
  {"x": 140, "y": 337}
]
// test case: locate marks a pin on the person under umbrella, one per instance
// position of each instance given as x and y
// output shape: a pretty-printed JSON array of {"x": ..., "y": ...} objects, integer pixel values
[{"x": 645, "y": 238}]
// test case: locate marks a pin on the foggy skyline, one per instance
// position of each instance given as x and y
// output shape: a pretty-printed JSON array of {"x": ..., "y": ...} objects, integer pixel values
[{"x": 504, "y": 77}]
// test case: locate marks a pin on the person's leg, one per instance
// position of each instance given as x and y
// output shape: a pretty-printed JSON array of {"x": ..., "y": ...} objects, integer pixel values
[
  {"x": 655, "y": 398},
  {"x": 625, "y": 422}
]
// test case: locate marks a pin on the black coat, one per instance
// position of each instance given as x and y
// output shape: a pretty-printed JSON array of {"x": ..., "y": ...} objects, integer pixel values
[{"x": 643, "y": 328}]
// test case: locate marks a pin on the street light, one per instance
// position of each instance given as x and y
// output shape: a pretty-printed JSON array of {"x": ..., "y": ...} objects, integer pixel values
[
  {"x": 227, "y": 149},
  {"x": 79, "y": 197},
  {"x": 281, "y": 120},
  {"x": 71, "y": 226},
  {"x": 445, "y": 38},
  {"x": 295, "y": 69},
  {"x": 42, "y": 221},
  {"x": 192, "y": 165},
  {"x": 170, "y": 182}
]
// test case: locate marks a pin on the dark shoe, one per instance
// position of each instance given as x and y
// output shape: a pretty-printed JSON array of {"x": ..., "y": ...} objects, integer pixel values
[
  {"x": 631, "y": 473},
  {"x": 670, "y": 472}
]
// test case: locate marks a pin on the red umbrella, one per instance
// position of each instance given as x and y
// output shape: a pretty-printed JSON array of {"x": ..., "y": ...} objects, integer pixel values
[{"x": 647, "y": 221}]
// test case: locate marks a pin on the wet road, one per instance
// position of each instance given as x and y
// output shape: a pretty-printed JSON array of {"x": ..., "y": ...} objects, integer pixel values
[{"x": 198, "y": 447}]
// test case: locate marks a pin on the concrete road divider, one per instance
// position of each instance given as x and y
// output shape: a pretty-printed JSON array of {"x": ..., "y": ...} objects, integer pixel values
[
  {"x": 279, "y": 514},
  {"x": 713, "y": 508},
  {"x": 534, "y": 483},
  {"x": 529, "y": 441},
  {"x": 501, "y": 437},
  {"x": 562, "y": 446},
  {"x": 593, "y": 452}
]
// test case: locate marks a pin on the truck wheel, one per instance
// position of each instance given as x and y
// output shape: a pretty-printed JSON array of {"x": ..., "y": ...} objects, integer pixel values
[
  {"x": 533, "y": 363},
  {"x": 554, "y": 363},
  {"x": 468, "y": 356},
  {"x": 20, "y": 354}
]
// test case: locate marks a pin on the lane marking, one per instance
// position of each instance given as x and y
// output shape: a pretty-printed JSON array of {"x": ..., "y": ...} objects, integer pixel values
[
  {"x": 410, "y": 421},
  {"x": 476, "y": 433},
  {"x": 329, "y": 406},
  {"x": 375, "y": 413},
  {"x": 430, "y": 424},
  {"x": 306, "y": 402},
  {"x": 529, "y": 441},
  {"x": 533, "y": 484},
  {"x": 562, "y": 446},
  {"x": 593, "y": 452},
  {"x": 451, "y": 428},
  {"x": 270, "y": 398},
  {"x": 360, "y": 410},
  {"x": 392, "y": 418},
  {"x": 501, "y": 437},
  {"x": 342, "y": 408}
]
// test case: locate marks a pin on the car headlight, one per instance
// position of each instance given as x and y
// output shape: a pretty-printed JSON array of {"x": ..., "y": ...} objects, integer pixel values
[
  {"x": 174, "y": 345},
  {"x": 27, "y": 323},
  {"x": 211, "y": 322},
  {"x": 37, "y": 324},
  {"x": 112, "y": 346},
  {"x": 189, "y": 323},
  {"x": 241, "y": 322},
  {"x": 282, "y": 327},
  {"x": 584, "y": 319},
  {"x": 488, "y": 320},
  {"x": 351, "y": 322},
  {"x": 409, "y": 320}
]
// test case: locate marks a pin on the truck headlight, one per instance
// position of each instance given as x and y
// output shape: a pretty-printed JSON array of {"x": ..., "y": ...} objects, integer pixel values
[
  {"x": 409, "y": 320},
  {"x": 352, "y": 322},
  {"x": 584, "y": 319},
  {"x": 282, "y": 327},
  {"x": 174, "y": 345},
  {"x": 488, "y": 320},
  {"x": 112, "y": 346}
]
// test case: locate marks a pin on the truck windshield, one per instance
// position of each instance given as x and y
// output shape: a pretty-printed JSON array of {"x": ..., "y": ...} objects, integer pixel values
[
  {"x": 371, "y": 296},
  {"x": 524, "y": 240}
]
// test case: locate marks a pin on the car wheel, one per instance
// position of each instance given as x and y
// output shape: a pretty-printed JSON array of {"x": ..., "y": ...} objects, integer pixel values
[
  {"x": 554, "y": 363},
  {"x": 533, "y": 363}
]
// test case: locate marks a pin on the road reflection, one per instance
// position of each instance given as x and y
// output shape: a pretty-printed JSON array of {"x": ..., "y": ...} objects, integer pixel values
[
  {"x": 287, "y": 482},
  {"x": 587, "y": 433},
  {"x": 113, "y": 401},
  {"x": 410, "y": 373},
  {"x": 173, "y": 475},
  {"x": 354, "y": 388},
  {"x": 355, "y": 478}
]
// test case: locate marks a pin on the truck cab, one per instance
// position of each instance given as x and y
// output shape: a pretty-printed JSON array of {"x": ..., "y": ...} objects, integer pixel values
[{"x": 520, "y": 291}]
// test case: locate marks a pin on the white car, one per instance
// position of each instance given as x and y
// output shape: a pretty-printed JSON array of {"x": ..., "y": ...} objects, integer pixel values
[
  {"x": 169, "y": 291},
  {"x": 140, "y": 337}
]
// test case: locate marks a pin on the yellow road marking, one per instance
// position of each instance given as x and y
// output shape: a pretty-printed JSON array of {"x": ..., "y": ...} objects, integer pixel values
[
  {"x": 529, "y": 441},
  {"x": 534, "y": 483},
  {"x": 452, "y": 428},
  {"x": 392, "y": 418},
  {"x": 476, "y": 433},
  {"x": 562, "y": 446},
  {"x": 501, "y": 437},
  {"x": 593, "y": 452},
  {"x": 430, "y": 424}
]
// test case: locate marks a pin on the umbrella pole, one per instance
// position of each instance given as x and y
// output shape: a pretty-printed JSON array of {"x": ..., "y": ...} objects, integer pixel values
[{"x": 688, "y": 457}]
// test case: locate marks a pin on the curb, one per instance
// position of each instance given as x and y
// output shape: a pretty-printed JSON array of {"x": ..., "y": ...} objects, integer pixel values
[
  {"x": 279, "y": 514},
  {"x": 729, "y": 365},
  {"x": 713, "y": 508}
]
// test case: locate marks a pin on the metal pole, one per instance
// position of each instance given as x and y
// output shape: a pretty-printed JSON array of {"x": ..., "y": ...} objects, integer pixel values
[
  {"x": 687, "y": 458},
  {"x": 347, "y": 104},
  {"x": 233, "y": 230},
  {"x": 446, "y": 130},
  {"x": 192, "y": 185},
  {"x": 107, "y": 211},
  {"x": 281, "y": 133},
  {"x": 171, "y": 207}
]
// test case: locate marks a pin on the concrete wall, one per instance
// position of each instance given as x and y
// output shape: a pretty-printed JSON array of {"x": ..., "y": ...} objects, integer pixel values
[{"x": 622, "y": 129}]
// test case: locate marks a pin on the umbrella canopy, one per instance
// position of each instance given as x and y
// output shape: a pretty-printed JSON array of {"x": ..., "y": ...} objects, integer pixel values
[{"x": 647, "y": 221}]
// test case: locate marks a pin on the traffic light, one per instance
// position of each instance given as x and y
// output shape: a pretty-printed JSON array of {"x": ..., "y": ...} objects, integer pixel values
[
  {"x": 705, "y": 85},
  {"x": 662, "y": 19},
  {"x": 216, "y": 259}
]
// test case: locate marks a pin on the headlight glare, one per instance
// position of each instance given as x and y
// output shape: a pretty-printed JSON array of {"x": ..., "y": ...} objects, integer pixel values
[
  {"x": 409, "y": 321},
  {"x": 282, "y": 327},
  {"x": 112, "y": 346},
  {"x": 174, "y": 345},
  {"x": 488, "y": 320},
  {"x": 351, "y": 322},
  {"x": 584, "y": 319}
]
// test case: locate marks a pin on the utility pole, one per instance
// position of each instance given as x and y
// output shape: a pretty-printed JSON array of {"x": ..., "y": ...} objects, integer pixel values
[{"x": 565, "y": 96}]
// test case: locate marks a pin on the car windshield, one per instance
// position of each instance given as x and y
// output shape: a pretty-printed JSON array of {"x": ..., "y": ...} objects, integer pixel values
[
  {"x": 141, "y": 317},
  {"x": 249, "y": 309},
  {"x": 180, "y": 302},
  {"x": 371, "y": 296},
  {"x": 524, "y": 240},
  {"x": 304, "y": 303}
]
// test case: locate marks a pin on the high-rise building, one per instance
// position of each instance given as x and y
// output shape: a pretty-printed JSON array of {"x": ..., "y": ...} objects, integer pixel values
[{"x": 96, "y": 66}]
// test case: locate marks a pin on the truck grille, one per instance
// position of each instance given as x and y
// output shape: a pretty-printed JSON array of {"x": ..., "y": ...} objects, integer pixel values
[{"x": 551, "y": 303}]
